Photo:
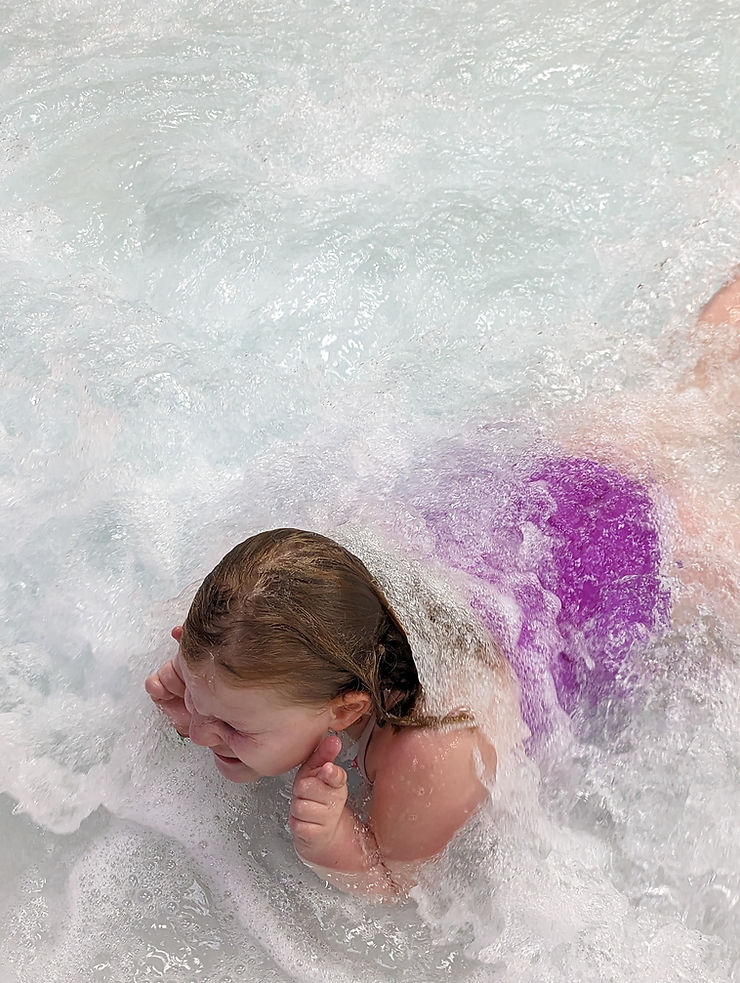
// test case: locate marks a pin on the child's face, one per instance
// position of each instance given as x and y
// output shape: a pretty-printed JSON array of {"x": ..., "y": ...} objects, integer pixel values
[{"x": 251, "y": 731}]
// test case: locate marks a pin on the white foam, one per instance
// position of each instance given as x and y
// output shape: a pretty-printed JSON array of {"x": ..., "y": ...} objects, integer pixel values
[{"x": 259, "y": 264}]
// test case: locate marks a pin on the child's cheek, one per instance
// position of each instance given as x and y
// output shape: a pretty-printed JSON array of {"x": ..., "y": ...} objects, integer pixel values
[{"x": 241, "y": 745}]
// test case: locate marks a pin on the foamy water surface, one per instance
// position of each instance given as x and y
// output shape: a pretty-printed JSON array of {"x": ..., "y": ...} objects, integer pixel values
[{"x": 265, "y": 264}]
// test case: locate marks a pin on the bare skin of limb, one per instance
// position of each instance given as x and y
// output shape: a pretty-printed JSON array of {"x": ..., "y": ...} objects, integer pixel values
[
  {"x": 718, "y": 330},
  {"x": 683, "y": 437}
]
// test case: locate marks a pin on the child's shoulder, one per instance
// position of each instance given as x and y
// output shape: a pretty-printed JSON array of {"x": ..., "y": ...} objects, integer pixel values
[
  {"x": 427, "y": 784},
  {"x": 423, "y": 750}
]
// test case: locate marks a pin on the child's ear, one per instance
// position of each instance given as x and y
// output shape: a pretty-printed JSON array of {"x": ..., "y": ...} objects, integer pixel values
[{"x": 348, "y": 708}]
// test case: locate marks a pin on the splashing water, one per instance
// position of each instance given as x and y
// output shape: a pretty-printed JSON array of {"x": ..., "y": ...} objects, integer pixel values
[{"x": 270, "y": 264}]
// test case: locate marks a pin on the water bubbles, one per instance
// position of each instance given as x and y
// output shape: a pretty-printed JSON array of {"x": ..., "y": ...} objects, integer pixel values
[{"x": 258, "y": 264}]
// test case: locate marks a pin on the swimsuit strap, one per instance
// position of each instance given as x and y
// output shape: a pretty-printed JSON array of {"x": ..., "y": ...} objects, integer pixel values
[{"x": 362, "y": 743}]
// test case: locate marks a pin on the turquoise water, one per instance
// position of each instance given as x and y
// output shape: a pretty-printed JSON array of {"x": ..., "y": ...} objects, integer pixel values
[{"x": 261, "y": 265}]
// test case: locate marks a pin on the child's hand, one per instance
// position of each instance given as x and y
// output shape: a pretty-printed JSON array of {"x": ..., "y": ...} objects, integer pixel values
[
  {"x": 318, "y": 803},
  {"x": 167, "y": 689}
]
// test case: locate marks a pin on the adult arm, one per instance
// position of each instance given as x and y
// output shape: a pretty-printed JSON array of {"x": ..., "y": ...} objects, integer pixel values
[
  {"x": 718, "y": 333},
  {"x": 679, "y": 438}
]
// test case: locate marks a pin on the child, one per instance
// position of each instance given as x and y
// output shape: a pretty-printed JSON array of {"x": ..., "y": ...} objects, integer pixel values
[{"x": 291, "y": 641}]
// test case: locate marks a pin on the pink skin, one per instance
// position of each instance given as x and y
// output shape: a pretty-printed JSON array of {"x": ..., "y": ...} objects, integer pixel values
[{"x": 252, "y": 731}]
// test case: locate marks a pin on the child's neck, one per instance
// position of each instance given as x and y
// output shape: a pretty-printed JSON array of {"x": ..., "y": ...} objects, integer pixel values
[{"x": 354, "y": 730}]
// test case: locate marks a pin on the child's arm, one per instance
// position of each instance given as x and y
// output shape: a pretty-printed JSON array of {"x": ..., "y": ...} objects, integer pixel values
[
  {"x": 328, "y": 836},
  {"x": 426, "y": 788}
]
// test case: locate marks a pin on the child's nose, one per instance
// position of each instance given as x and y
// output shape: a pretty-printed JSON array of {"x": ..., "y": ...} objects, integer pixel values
[{"x": 203, "y": 731}]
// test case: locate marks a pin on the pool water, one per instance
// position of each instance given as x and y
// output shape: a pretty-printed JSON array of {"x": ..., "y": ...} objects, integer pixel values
[{"x": 278, "y": 264}]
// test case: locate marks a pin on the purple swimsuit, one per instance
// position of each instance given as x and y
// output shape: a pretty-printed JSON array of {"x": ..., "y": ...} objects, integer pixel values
[{"x": 566, "y": 561}]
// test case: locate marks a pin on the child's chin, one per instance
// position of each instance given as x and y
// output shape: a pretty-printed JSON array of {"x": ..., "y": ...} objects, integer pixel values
[{"x": 234, "y": 769}]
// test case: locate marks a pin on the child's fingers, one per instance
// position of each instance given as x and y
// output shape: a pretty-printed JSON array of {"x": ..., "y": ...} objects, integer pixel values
[
  {"x": 328, "y": 786},
  {"x": 171, "y": 680},
  {"x": 307, "y": 811},
  {"x": 317, "y": 805},
  {"x": 332, "y": 775},
  {"x": 155, "y": 689},
  {"x": 325, "y": 752},
  {"x": 325, "y": 793},
  {"x": 321, "y": 813}
]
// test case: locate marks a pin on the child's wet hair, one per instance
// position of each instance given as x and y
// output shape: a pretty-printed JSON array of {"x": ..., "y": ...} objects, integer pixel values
[{"x": 296, "y": 611}]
